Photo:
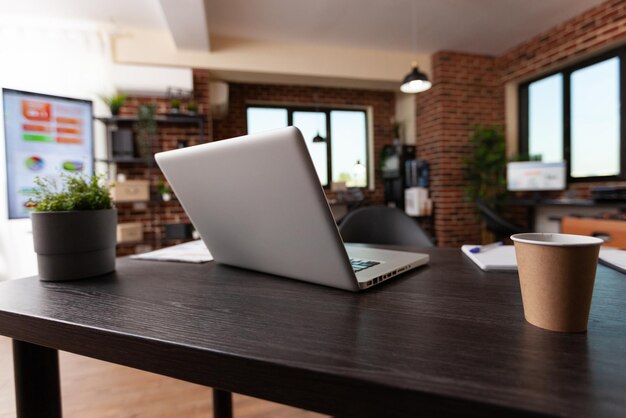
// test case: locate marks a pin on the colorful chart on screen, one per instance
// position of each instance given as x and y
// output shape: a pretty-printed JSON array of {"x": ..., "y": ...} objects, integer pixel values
[{"x": 44, "y": 136}]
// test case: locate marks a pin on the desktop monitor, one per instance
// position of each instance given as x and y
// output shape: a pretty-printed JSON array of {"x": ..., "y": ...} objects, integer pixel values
[
  {"x": 44, "y": 136},
  {"x": 536, "y": 176}
]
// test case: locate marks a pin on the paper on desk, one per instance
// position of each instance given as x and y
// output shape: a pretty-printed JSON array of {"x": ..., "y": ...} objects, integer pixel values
[
  {"x": 614, "y": 258},
  {"x": 189, "y": 252},
  {"x": 497, "y": 259}
]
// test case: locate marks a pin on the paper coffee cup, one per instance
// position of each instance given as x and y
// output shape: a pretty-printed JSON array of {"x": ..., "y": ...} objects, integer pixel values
[{"x": 557, "y": 273}]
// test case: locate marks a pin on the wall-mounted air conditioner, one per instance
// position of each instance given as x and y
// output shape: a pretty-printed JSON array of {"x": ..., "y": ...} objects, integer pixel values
[{"x": 148, "y": 80}]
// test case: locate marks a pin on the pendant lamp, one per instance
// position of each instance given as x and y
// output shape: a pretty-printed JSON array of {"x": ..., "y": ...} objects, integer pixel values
[{"x": 415, "y": 81}]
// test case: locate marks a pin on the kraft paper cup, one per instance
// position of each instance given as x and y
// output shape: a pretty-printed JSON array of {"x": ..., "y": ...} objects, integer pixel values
[{"x": 557, "y": 273}]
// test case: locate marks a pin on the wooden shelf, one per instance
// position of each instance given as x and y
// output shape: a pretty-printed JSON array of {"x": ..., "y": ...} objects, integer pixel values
[{"x": 180, "y": 118}]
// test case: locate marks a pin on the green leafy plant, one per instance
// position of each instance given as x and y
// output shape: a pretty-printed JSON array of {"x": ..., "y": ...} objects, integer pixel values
[
  {"x": 175, "y": 104},
  {"x": 485, "y": 167},
  {"x": 115, "y": 102},
  {"x": 70, "y": 192},
  {"x": 146, "y": 128},
  {"x": 192, "y": 107}
]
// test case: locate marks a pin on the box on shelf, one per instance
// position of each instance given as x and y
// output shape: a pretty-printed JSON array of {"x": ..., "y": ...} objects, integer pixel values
[
  {"x": 131, "y": 191},
  {"x": 416, "y": 202},
  {"x": 129, "y": 232}
]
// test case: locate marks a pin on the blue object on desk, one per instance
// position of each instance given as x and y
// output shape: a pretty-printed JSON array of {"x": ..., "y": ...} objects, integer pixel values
[{"x": 485, "y": 248}]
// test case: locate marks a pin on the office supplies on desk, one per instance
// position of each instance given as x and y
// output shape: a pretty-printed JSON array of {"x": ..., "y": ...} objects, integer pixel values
[
  {"x": 485, "y": 248},
  {"x": 189, "y": 252},
  {"x": 300, "y": 241},
  {"x": 614, "y": 258},
  {"x": 500, "y": 258}
]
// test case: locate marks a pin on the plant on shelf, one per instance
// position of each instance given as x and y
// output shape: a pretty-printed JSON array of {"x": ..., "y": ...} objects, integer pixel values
[
  {"x": 485, "y": 167},
  {"x": 192, "y": 107},
  {"x": 115, "y": 103},
  {"x": 146, "y": 129},
  {"x": 174, "y": 106},
  {"x": 165, "y": 191},
  {"x": 74, "y": 227}
]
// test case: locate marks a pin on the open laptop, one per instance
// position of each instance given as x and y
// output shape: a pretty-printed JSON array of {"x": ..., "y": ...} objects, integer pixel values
[{"x": 257, "y": 203}]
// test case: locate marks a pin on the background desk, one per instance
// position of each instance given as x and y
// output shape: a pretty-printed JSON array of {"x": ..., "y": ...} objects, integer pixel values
[
  {"x": 445, "y": 340},
  {"x": 544, "y": 214}
]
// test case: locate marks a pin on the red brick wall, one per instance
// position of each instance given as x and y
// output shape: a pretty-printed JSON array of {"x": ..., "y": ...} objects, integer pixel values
[
  {"x": 155, "y": 213},
  {"x": 382, "y": 104},
  {"x": 466, "y": 91}
]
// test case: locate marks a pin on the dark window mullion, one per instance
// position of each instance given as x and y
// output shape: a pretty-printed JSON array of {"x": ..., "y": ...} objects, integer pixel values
[
  {"x": 567, "y": 127},
  {"x": 329, "y": 170},
  {"x": 523, "y": 111},
  {"x": 622, "y": 113}
]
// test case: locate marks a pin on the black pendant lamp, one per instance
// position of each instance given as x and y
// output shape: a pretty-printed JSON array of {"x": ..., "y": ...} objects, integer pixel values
[
  {"x": 318, "y": 138},
  {"x": 415, "y": 81}
]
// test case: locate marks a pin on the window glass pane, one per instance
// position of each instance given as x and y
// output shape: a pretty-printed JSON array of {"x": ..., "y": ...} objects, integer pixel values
[
  {"x": 595, "y": 120},
  {"x": 311, "y": 124},
  {"x": 266, "y": 118},
  {"x": 545, "y": 118},
  {"x": 349, "y": 147}
]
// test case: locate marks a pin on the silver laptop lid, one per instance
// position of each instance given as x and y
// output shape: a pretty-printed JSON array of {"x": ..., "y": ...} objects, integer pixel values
[{"x": 257, "y": 203}]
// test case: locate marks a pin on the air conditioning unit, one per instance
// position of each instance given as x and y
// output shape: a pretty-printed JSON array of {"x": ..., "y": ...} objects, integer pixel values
[
  {"x": 148, "y": 80},
  {"x": 218, "y": 93}
]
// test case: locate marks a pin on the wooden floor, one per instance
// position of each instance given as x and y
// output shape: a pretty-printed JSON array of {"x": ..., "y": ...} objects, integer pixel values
[{"x": 95, "y": 389}]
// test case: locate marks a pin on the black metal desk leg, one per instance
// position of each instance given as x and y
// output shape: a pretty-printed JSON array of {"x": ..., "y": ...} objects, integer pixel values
[
  {"x": 222, "y": 404},
  {"x": 37, "y": 384}
]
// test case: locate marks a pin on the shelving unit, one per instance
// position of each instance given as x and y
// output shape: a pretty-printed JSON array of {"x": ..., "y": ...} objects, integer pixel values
[{"x": 148, "y": 212}]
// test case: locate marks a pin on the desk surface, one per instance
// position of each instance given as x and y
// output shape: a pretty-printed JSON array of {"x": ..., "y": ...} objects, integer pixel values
[{"x": 447, "y": 339}]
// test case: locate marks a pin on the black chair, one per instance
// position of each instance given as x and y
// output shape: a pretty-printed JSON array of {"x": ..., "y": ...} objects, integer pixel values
[
  {"x": 382, "y": 225},
  {"x": 500, "y": 227}
]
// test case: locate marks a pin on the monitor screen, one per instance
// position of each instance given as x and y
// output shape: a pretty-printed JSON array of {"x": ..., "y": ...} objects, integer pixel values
[
  {"x": 44, "y": 136},
  {"x": 536, "y": 176}
]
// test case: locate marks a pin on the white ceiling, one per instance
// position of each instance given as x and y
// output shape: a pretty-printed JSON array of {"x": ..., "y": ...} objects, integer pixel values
[{"x": 476, "y": 26}]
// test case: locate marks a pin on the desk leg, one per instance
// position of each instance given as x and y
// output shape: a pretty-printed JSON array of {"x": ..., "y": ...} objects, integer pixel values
[
  {"x": 222, "y": 404},
  {"x": 37, "y": 384}
]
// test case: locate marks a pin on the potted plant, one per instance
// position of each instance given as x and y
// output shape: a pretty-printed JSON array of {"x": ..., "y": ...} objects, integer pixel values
[
  {"x": 115, "y": 103},
  {"x": 165, "y": 191},
  {"x": 74, "y": 227},
  {"x": 485, "y": 171},
  {"x": 174, "y": 106},
  {"x": 485, "y": 167},
  {"x": 146, "y": 129},
  {"x": 192, "y": 108}
]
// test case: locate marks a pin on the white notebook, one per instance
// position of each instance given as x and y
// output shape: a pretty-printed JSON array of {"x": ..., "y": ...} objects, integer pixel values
[
  {"x": 614, "y": 258},
  {"x": 189, "y": 252},
  {"x": 501, "y": 258}
]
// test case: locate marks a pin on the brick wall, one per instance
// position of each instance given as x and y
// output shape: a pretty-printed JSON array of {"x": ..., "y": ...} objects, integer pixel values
[
  {"x": 382, "y": 104},
  {"x": 469, "y": 89},
  {"x": 156, "y": 213},
  {"x": 466, "y": 91}
]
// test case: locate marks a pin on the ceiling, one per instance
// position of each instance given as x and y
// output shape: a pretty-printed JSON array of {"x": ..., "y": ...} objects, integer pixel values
[{"x": 474, "y": 26}]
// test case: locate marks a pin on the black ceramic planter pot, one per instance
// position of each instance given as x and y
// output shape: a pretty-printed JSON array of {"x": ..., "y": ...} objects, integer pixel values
[{"x": 75, "y": 244}]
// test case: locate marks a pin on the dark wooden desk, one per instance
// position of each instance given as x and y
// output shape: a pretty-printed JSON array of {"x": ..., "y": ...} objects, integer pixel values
[{"x": 446, "y": 340}]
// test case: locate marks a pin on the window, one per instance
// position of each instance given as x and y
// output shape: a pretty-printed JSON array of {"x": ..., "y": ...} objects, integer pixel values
[
  {"x": 341, "y": 157},
  {"x": 574, "y": 115}
]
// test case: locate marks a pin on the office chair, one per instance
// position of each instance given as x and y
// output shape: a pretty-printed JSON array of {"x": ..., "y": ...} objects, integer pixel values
[
  {"x": 500, "y": 227},
  {"x": 382, "y": 225}
]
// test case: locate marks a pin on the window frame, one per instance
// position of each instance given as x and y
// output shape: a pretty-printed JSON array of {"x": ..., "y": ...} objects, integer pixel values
[
  {"x": 523, "y": 112},
  {"x": 326, "y": 110}
]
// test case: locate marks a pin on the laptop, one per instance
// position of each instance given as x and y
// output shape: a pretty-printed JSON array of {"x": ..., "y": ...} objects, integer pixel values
[{"x": 257, "y": 203}]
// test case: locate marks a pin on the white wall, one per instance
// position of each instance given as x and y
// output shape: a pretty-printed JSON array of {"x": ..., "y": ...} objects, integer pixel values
[
  {"x": 405, "y": 116},
  {"x": 53, "y": 58}
]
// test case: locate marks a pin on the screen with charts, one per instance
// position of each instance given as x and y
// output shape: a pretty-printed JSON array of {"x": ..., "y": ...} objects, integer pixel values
[
  {"x": 536, "y": 176},
  {"x": 44, "y": 136}
]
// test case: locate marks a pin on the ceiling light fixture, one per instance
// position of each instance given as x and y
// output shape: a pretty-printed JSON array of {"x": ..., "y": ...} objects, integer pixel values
[{"x": 415, "y": 81}]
